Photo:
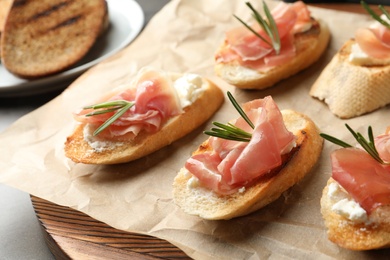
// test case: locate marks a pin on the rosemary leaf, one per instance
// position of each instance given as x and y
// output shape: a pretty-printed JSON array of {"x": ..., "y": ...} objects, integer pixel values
[
  {"x": 101, "y": 111},
  {"x": 273, "y": 29},
  {"x": 367, "y": 145},
  {"x": 229, "y": 131},
  {"x": 385, "y": 12},
  {"x": 112, "y": 119},
  {"x": 253, "y": 31},
  {"x": 376, "y": 16},
  {"x": 269, "y": 27},
  {"x": 114, "y": 103},
  {"x": 232, "y": 129},
  {"x": 335, "y": 140},
  {"x": 226, "y": 136},
  {"x": 239, "y": 109},
  {"x": 120, "y": 106}
]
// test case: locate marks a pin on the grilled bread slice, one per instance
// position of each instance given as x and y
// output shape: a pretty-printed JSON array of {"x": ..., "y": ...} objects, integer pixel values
[
  {"x": 373, "y": 234},
  {"x": 309, "y": 47},
  {"x": 206, "y": 104},
  {"x": 352, "y": 90},
  {"x": 197, "y": 200},
  {"x": 41, "y": 38},
  {"x": 5, "y": 5}
]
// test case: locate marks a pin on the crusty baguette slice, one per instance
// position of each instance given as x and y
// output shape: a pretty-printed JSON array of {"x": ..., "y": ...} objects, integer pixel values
[
  {"x": 48, "y": 36},
  {"x": 351, "y": 90},
  {"x": 77, "y": 149},
  {"x": 309, "y": 47},
  {"x": 355, "y": 236},
  {"x": 208, "y": 205}
]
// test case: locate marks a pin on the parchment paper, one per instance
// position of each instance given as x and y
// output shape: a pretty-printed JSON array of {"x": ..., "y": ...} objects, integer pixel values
[{"x": 136, "y": 196}]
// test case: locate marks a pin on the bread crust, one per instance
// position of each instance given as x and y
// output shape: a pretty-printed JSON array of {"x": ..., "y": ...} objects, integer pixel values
[
  {"x": 77, "y": 149},
  {"x": 355, "y": 236},
  {"x": 309, "y": 48},
  {"x": 352, "y": 90},
  {"x": 63, "y": 30},
  {"x": 209, "y": 205}
]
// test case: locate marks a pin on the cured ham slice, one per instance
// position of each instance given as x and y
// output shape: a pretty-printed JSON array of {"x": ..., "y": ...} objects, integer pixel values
[
  {"x": 382, "y": 144},
  {"x": 155, "y": 101},
  {"x": 365, "y": 179},
  {"x": 250, "y": 51},
  {"x": 374, "y": 41},
  {"x": 230, "y": 165}
]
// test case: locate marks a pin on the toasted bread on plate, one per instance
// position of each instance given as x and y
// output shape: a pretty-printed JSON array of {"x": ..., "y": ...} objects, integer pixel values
[
  {"x": 5, "y": 5},
  {"x": 41, "y": 38}
]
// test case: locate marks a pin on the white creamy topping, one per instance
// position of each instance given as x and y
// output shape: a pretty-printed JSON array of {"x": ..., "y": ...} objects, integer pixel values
[
  {"x": 360, "y": 58},
  {"x": 188, "y": 88},
  {"x": 351, "y": 210},
  {"x": 345, "y": 206},
  {"x": 300, "y": 28},
  {"x": 98, "y": 145},
  {"x": 193, "y": 182}
]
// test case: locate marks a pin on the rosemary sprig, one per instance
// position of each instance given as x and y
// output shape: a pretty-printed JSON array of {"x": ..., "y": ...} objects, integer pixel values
[
  {"x": 229, "y": 131},
  {"x": 367, "y": 145},
  {"x": 269, "y": 27},
  {"x": 376, "y": 16},
  {"x": 120, "y": 106}
]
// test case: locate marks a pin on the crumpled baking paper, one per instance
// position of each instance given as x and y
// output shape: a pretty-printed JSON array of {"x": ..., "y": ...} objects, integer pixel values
[{"x": 137, "y": 196}]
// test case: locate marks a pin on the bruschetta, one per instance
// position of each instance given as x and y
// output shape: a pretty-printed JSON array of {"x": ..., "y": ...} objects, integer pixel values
[
  {"x": 355, "y": 203},
  {"x": 357, "y": 79},
  {"x": 151, "y": 112},
  {"x": 228, "y": 177},
  {"x": 258, "y": 55}
]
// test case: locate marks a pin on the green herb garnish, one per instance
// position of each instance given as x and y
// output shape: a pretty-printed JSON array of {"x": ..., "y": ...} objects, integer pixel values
[
  {"x": 376, "y": 16},
  {"x": 269, "y": 27},
  {"x": 229, "y": 131},
  {"x": 120, "y": 106},
  {"x": 367, "y": 145}
]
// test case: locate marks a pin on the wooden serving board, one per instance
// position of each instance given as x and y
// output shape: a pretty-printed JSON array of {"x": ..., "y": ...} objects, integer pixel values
[{"x": 71, "y": 234}]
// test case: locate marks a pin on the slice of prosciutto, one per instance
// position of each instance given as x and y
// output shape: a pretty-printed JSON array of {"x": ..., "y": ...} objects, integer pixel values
[
  {"x": 155, "y": 102},
  {"x": 374, "y": 41},
  {"x": 364, "y": 178},
  {"x": 248, "y": 49},
  {"x": 231, "y": 165}
]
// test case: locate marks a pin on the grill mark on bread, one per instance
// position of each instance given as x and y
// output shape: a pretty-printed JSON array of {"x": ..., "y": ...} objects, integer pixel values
[
  {"x": 68, "y": 22},
  {"x": 18, "y": 3},
  {"x": 49, "y": 11}
]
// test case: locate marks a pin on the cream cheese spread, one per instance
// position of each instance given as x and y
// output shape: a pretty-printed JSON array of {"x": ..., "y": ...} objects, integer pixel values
[
  {"x": 346, "y": 206},
  {"x": 359, "y": 57},
  {"x": 188, "y": 88},
  {"x": 97, "y": 145}
]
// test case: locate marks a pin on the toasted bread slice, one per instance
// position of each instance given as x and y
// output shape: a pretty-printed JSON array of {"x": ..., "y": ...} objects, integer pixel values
[
  {"x": 356, "y": 236},
  {"x": 197, "y": 200},
  {"x": 352, "y": 90},
  {"x": 5, "y": 5},
  {"x": 41, "y": 38},
  {"x": 79, "y": 150},
  {"x": 309, "y": 47}
]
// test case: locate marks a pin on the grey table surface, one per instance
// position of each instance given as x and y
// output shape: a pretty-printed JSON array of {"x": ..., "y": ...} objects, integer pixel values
[{"x": 20, "y": 232}]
